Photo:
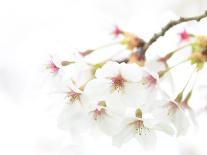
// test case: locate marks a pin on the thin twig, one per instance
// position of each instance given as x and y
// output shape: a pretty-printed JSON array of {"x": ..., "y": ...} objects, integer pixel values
[{"x": 169, "y": 26}]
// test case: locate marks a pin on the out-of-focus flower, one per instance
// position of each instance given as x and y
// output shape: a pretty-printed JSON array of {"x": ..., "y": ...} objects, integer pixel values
[
  {"x": 52, "y": 67},
  {"x": 171, "y": 111},
  {"x": 73, "y": 116}
]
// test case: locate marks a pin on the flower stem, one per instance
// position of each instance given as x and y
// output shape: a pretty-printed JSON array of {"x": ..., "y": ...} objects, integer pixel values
[
  {"x": 162, "y": 73},
  {"x": 191, "y": 75},
  {"x": 169, "y": 26}
]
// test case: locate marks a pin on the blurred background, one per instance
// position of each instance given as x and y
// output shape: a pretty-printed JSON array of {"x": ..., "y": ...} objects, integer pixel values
[{"x": 32, "y": 30}]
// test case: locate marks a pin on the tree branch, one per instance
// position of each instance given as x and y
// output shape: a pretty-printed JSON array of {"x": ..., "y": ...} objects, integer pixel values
[{"x": 169, "y": 26}]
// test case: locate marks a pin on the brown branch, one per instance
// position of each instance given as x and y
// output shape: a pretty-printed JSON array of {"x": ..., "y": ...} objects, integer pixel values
[{"x": 169, "y": 26}]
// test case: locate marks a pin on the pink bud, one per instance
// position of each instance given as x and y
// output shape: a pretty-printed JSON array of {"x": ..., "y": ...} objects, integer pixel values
[
  {"x": 53, "y": 67},
  {"x": 117, "y": 31},
  {"x": 184, "y": 35}
]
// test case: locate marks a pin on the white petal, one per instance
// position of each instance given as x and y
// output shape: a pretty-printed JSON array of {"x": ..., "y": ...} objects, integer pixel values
[
  {"x": 131, "y": 72},
  {"x": 147, "y": 139},
  {"x": 181, "y": 122},
  {"x": 73, "y": 119},
  {"x": 116, "y": 104},
  {"x": 133, "y": 94},
  {"x": 191, "y": 114},
  {"x": 163, "y": 94},
  {"x": 159, "y": 109},
  {"x": 109, "y": 125},
  {"x": 124, "y": 135},
  {"x": 80, "y": 73},
  {"x": 160, "y": 125},
  {"x": 167, "y": 82},
  {"x": 148, "y": 94},
  {"x": 109, "y": 70},
  {"x": 165, "y": 127},
  {"x": 98, "y": 89},
  {"x": 154, "y": 65}
]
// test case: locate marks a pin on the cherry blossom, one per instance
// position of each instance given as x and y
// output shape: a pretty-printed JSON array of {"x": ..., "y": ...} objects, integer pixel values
[
  {"x": 119, "y": 83},
  {"x": 103, "y": 118},
  {"x": 142, "y": 129},
  {"x": 73, "y": 116},
  {"x": 127, "y": 99}
]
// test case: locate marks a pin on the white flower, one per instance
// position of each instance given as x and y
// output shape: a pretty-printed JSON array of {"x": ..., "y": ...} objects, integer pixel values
[
  {"x": 144, "y": 130},
  {"x": 118, "y": 83},
  {"x": 73, "y": 116},
  {"x": 103, "y": 118},
  {"x": 171, "y": 111}
]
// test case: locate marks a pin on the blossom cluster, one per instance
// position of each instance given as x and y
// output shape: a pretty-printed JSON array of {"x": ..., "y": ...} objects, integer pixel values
[{"x": 125, "y": 100}]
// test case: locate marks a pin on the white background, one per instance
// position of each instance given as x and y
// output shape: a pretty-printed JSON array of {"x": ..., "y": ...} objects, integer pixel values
[{"x": 31, "y": 30}]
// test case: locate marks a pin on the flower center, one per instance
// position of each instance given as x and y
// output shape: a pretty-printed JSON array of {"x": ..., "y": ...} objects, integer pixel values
[
  {"x": 140, "y": 128},
  {"x": 73, "y": 96},
  {"x": 98, "y": 113},
  {"x": 118, "y": 82}
]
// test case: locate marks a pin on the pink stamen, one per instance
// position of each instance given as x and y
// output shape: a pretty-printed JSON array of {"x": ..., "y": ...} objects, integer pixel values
[
  {"x": 117, "y": 82},
  {"x": 97, "y": 113}
]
